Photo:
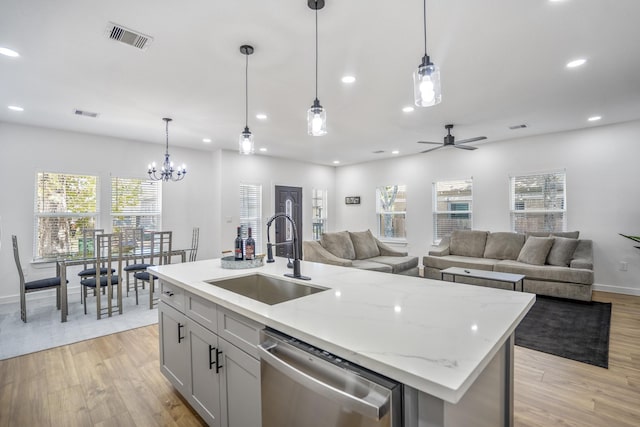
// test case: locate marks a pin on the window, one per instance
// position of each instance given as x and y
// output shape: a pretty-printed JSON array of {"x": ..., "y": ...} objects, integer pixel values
[
  {"x": 452, "y": 207},
  {"x": 538, "y": 202},
  {"x": 391, "y": 207},
  {"x": 64, "y": 205},
  {"x": 319, "y": 213},
  {"x": 251, "y": 212},
  {"x": 136, "y": 203}
]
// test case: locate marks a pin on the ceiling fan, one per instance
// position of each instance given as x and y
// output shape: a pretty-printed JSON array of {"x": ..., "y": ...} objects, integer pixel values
[{"x": 449, "y": 141}]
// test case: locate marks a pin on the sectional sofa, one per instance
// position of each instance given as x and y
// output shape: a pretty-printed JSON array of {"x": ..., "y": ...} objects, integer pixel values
[
  {"x": 554, "y": 264},
  {"x": 360, "y": 250}
]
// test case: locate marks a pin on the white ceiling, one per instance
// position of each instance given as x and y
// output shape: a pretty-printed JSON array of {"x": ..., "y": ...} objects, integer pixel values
[{"x": 502, "y": 63}]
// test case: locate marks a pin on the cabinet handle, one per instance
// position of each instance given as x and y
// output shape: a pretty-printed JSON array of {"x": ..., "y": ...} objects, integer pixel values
[
  {"x": 169, "y": 293},
  {"x": 180, "y": 326},
  {"x": 218, "y": 365},
  {"x": 211, "y": 361}
]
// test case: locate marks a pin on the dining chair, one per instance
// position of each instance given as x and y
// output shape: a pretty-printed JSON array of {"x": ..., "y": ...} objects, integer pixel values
[
  {"x": 34, "y": 285},
  {"x": 88, "y": 242},
  {"x": 161, "y": 242},
  {"x": 195, "y": 239},
  {"x": 108, "y": 251},
  {"x": 134, "y": 244}
]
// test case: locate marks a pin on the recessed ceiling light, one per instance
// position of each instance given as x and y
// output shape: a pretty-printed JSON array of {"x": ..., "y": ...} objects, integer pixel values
[
  {"x": 263, "y": 149},
  {"x": 395, "y": 152},
  {"x": 408, "y": 109},
  {"x": 207, "y": 140},
  {"x": 594, "y": 118},
  {"x": 348, "y": 79},
  {"x": 261, "y": 116},
  {"x": 576, "y": 63},
  {"x": 336, "y": 162},
  {"x": 15, "y": 108},
  {"x": 9, "y": 52}
]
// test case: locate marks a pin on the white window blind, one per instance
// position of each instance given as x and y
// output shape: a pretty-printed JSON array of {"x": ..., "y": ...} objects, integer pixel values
[
  {"x": 391, "y": 210},
  {"x": 64, "y": 205},
  {"x": 452, "y": 207},
  {"x": 538, "y": 202},
  {"x": 251, "y": 213},
  {"x": 319, "y": 213},
  {"x": 136, "y": 203}
]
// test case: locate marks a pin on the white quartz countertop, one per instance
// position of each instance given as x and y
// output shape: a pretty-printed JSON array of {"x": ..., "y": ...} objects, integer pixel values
[{"x": 434, "y": 336}]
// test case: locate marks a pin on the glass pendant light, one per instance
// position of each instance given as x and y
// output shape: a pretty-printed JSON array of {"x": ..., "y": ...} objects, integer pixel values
[
  {"x": 246, "y": 145},
  {"x": 426, "y": 79},
  {"x": 316, "y": 115}
]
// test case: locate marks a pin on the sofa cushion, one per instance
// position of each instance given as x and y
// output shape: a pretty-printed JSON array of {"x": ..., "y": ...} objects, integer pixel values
[
  {"x": 503, "y": 245},
  {"x": 567, "y": 234},
  {"x": 562, "y": 251},
  {"x": 468, "y": 243},
  {"x": 364, "y": 244},
  {"x": 339, "y": 244},
  {"x": 397, "y": 263},
  {"x": 365, "y": 264},
  {"x": 550, "y": 273},
  {"x": 535, "y": 250},
  {"x": 443, "y": 262}
]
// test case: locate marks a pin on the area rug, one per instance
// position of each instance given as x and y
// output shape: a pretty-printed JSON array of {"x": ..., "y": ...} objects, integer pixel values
[
  {"x": 571, "y": 329},
  {"x": 44, "y": 330}
]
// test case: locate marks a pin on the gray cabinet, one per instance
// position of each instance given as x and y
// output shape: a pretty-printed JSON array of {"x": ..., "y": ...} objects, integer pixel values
[{"x": 219, "y": 377}]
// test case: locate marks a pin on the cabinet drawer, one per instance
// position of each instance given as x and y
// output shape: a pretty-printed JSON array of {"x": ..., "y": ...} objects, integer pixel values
[
  {"x": 172, "y": 295},
  {"x": 202, "y": 311},
  {"x": 238, "y": 330}
]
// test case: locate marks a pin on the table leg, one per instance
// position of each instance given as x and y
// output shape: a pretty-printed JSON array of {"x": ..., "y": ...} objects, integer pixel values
[{"x": 61, "y": 270}]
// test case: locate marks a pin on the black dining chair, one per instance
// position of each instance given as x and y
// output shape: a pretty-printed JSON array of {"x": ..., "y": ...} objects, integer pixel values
[
  {"x": 89, "y": 251},
  {"x": 160, "y": 255},
  {"x": 134, "y": 244},
  {"x": 34, "y": 285},
  {"x": 108, "y": 251}
]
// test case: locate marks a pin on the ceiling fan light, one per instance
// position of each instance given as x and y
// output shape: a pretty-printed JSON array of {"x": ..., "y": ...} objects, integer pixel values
[
  {"x": 317, "y": 120},
  {"x": 426, "y": 85},
  {"x": 246, "y": 145}
]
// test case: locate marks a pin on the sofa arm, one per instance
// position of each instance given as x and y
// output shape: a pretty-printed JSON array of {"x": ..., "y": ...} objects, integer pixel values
[
  {"x": 386, "y": 250},
  {"x": 314, "y": 252},
  {"x": 583, "y": 255},
  {"x": 442, "y": 249}
]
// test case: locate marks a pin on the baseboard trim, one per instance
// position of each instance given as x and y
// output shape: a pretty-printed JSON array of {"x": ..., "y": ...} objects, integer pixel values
[{"x": 616, "y": 289}]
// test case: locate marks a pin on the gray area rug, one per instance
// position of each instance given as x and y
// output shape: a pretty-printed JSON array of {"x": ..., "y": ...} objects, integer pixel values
[
  {"x": 44, "y": 330},
  {"x": 571, "y": 329}
]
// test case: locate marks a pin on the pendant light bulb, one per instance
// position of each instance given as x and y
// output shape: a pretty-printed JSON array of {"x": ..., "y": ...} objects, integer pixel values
[
  {"x": 245, "y": 144},
  {"x": 316, "y": 115},
  {"x": 426, "y": 79}
]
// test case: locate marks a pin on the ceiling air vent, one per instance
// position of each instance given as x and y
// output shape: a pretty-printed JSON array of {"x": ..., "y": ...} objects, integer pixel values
[
  {"x": 132, "y": 38},
  {"x": 85, "y": 113},
  {"x": 378, "y": 152},
  {"x": 514, "y": 127}
]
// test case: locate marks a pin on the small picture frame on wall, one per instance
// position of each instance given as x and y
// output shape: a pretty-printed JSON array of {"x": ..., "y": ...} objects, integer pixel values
[{"x": 352, "y": 200}]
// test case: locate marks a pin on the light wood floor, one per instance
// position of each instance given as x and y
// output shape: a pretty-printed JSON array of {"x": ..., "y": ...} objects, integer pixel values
[{"x": 116, "y": 381}]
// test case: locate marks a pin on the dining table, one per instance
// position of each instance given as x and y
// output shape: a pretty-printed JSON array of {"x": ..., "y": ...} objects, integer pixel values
[{"x": 79, "y": 259}]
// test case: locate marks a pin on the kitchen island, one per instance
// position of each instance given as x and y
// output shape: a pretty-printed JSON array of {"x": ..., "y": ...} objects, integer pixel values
[{"x": 450, "y": 344}]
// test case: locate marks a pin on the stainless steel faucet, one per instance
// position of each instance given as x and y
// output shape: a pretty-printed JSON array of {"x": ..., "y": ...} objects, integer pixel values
[{"x": 296, "y": 256}]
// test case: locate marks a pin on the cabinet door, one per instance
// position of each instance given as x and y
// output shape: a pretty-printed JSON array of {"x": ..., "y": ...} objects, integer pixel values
[
  {"x": 204, "y": 393},
  {"x": 239, "y": 387},
  {"x": 174, "y": 362}
]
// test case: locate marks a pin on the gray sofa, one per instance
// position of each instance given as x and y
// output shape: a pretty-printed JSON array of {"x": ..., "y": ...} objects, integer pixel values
[
  {"x": 557, "y": 264},
  {"x": 360, "y": 250}
]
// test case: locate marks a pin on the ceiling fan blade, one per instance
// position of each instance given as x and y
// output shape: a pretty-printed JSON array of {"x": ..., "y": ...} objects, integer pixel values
[
  {"x": 477, "y": 138},
  {"x": 431, "y": 149},
  {"x": 428, "y": 142},
  {"x": 466, "y": 147}
]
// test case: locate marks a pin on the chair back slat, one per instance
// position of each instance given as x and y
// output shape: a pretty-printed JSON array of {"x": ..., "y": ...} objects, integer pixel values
[
  {"x": 16, "y": 256},
  {"x": 195, "y": 239}
]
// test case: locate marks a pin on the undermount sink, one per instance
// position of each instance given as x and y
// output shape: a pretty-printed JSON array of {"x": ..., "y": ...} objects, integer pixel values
[{"x": 267, "y": 290}]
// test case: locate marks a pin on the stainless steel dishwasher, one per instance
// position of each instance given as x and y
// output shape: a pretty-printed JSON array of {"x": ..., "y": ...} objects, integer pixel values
[{"x": 303, "y": 386}]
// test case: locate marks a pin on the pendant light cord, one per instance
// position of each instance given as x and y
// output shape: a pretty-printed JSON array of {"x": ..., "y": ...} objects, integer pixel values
[
  {"x": 246, "y": 92},
  {"x": 316, "y": 49},
  {"x": 425, "y": 27}
]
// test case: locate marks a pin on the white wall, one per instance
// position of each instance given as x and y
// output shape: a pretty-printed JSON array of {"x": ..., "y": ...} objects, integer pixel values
[{"x": 603, "y": 200}]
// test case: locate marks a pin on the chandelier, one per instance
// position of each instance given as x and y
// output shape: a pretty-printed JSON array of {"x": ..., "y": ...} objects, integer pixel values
[{"x": 166, "y": 172}]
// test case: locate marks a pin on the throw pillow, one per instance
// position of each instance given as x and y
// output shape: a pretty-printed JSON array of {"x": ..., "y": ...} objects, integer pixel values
[
  {"x": 535, "y": 250},
  {"x": 468, "y": 243},
  {"x": 364, "y": 244},
  {"x": 562, "y": 251},
  {"x": 503, "y": 245},
  {"x": 339, "y": 244}
]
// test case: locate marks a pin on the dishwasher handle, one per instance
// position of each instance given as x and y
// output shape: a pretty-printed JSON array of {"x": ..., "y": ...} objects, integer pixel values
[{"x": 372, "y": 409}]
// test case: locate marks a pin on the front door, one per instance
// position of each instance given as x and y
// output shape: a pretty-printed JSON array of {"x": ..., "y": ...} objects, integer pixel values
[{"x": 289, "y": 201}]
